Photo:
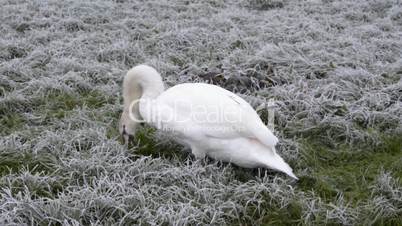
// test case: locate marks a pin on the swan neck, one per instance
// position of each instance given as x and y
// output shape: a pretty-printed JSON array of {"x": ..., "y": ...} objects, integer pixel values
[{"x": 152, "y": 92}]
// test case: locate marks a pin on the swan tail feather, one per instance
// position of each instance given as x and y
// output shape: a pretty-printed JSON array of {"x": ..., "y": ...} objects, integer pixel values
[{"x": 276, "y": 162}]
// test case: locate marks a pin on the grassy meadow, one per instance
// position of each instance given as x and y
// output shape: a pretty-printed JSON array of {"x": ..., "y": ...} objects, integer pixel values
[{"x": 333, "y": 68}]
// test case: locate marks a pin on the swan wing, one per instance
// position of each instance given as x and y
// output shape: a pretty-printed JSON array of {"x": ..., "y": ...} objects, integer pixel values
[{"x": 199, "y": 109}]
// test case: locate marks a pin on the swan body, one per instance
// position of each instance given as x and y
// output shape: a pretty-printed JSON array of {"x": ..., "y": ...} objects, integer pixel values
[{"x": 212, "y": 121}]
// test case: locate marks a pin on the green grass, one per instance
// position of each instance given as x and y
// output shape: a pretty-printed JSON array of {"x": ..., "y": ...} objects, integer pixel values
[
  {"x": 347, "y": 171},
  {"x": 10, "y": 123},
  {"x": 41, "y": 165},
  {"x": 55, "y": 105},
  {"x": 14, "y": 161},
  {"x": 68, "y": 101},
  {"x": 290, "y": 215}
]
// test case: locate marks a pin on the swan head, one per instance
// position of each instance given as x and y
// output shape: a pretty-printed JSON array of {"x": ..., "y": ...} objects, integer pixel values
[
  {"x": 141, "y": 81},
  {"x": 127, "y": 127}
]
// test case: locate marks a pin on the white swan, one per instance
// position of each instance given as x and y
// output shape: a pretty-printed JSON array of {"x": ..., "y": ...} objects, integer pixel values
[{"x": 212, "y": 121}]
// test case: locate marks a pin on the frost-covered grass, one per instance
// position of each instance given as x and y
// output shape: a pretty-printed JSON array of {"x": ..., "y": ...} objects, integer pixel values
[{"x": 333, "y": 67}]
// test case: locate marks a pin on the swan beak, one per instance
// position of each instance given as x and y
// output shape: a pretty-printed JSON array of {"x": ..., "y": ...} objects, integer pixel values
[{"x": 127, "y": 138}]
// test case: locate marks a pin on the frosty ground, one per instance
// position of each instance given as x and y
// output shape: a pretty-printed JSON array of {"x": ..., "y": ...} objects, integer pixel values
[{"x": 333, "y": 68}]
